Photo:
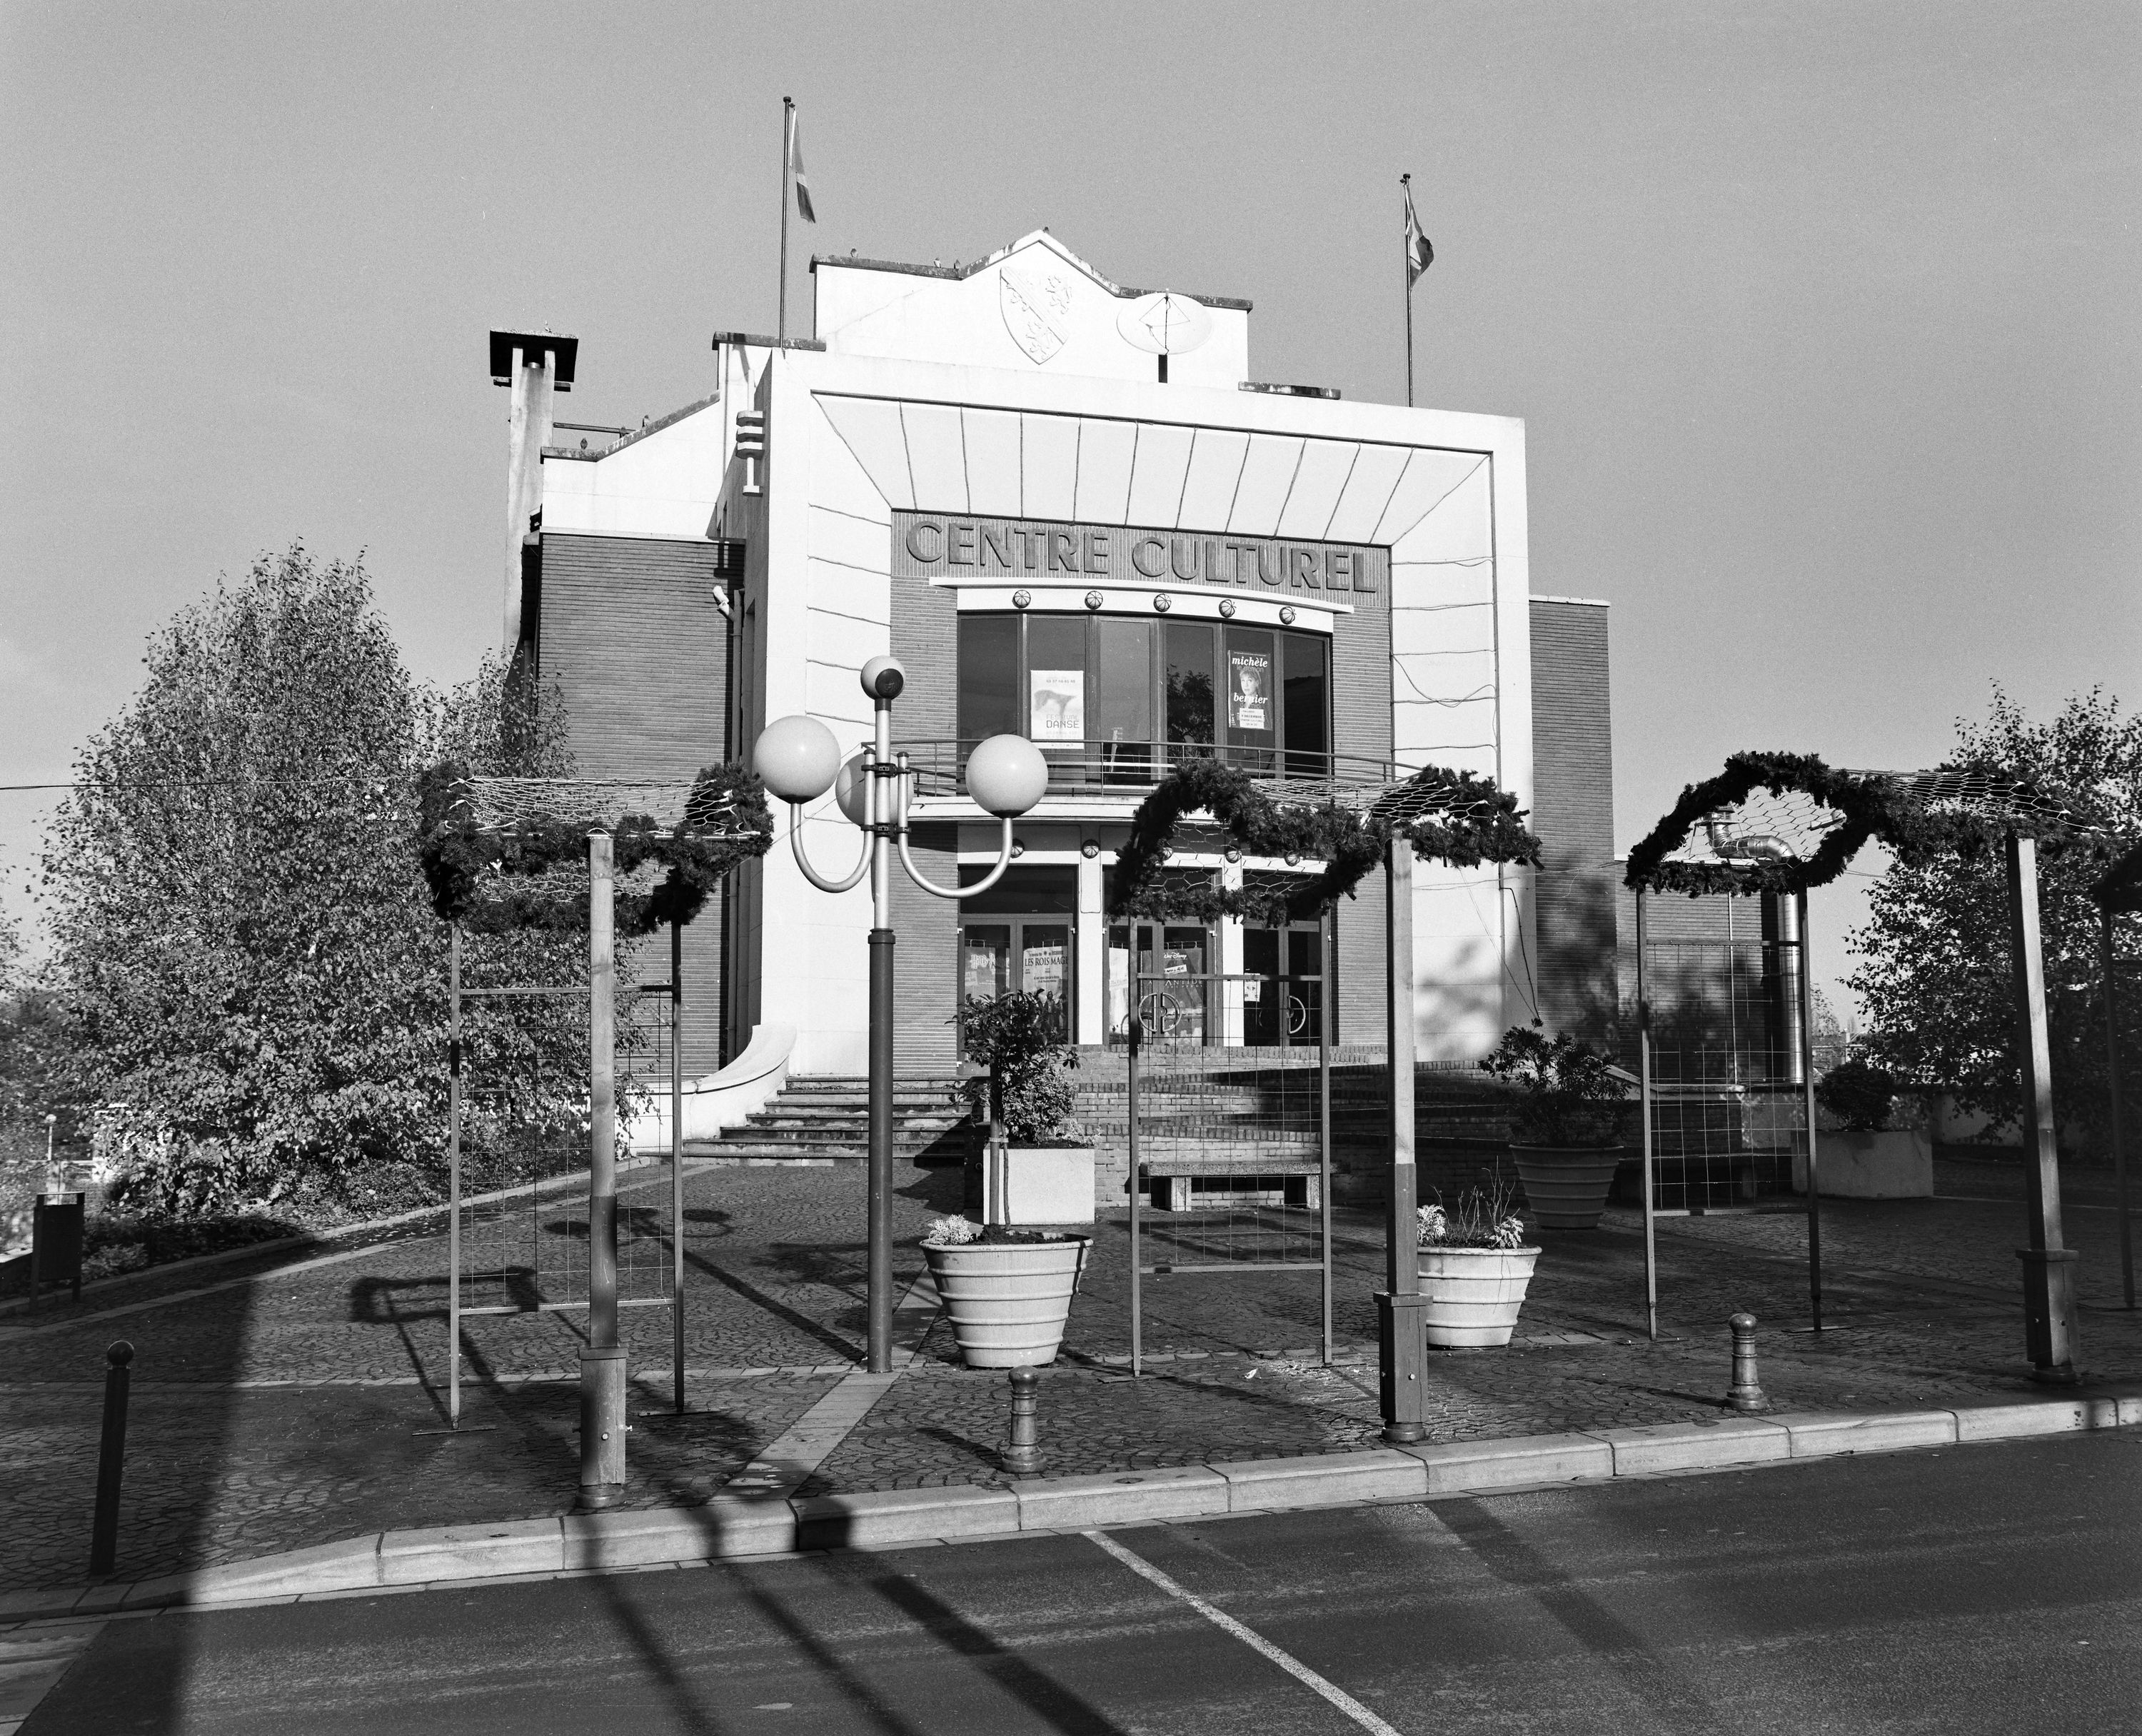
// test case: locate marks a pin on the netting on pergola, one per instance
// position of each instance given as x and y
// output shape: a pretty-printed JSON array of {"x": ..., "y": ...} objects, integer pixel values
[
  {"x": 1343, "y": 823},
  {"x": 1788, "y": 822},
  {"x": 512, "y": 853}
]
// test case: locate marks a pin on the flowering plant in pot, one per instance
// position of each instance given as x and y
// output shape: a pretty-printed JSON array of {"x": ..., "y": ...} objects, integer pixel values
[
  {"x": 1038, "y": 1168},
  {"x": 1566, "y": 1124},
  {"x": 1007, "y": 1291},
  {"x": 1475, "y": 1266}
]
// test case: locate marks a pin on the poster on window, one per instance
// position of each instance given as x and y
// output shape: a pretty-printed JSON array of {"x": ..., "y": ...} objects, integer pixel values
[
  {"x": 1249, "y": 690},
  {"x": 1056, "y": 705}
]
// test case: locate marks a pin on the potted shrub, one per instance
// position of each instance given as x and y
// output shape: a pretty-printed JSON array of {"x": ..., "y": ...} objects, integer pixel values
[
  {"x": 1866, "y": 1155},
  {"x": 1566, "y": 1129},
  {"x": 1036, "y": 1167},
  {"x": 1475, "y": 1267},
  {"x": 1008, "y": 1291}
]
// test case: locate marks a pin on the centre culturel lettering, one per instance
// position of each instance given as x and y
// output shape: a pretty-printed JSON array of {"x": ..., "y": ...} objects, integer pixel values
[{"x": 934, "y": 546}]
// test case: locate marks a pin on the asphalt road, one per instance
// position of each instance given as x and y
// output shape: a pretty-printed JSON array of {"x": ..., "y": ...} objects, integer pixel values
[{"x": 1991, "y": 1588}]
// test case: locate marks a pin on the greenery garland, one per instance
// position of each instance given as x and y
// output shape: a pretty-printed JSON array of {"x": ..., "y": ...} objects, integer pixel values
[
  {"x": 471, "y": 870},
  {"x": 1870, "y": 804},
  {"x": 1349, "y": 843}
]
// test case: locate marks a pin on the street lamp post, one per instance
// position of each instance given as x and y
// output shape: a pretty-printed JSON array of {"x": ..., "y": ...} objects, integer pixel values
[{"x": 799, "y": 760}]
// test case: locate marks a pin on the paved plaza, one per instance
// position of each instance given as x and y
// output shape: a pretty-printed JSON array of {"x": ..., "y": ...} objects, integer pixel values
[{"x": 289, "y": 1404}]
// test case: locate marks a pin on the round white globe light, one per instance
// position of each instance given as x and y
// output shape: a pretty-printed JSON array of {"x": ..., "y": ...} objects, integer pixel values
[
  {"x": 797, "y": 757},
  {"x": 852, "y": 790},
  {"x": 884, "y": 677},
  {"x": 1006, "y": 775}
]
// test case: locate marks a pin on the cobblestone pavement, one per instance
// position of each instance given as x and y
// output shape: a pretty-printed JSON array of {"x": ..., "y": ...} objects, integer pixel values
[{"x": 304, "y": 1407}]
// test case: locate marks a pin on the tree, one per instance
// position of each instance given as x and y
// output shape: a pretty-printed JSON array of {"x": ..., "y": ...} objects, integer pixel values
[
  {"x": 1935, "y": 974},
  {"x": 250, "y": 981}
]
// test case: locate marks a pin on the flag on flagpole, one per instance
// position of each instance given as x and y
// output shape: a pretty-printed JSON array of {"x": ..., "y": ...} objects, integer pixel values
[
  {"x": 1420, "y": 250},
  {"x": 796, "y": 172}
]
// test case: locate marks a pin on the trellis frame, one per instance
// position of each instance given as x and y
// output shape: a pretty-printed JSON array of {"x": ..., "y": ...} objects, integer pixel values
[
  {"x": 479, "y": 836},
  {"x": 1814, "y": 822},
  {"x": 1459, "y": 818},
  {"x": 2118, "y": 893}
]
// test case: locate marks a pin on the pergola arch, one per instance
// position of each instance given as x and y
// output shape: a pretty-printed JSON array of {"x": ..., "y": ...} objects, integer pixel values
[{"x": 1785, "y": 824}]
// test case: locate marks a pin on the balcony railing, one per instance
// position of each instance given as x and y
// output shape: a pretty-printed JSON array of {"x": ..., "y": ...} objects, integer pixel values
[{"x": 1131, "y": 769}]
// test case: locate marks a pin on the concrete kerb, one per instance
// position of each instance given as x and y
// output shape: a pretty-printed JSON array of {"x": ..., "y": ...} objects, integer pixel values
[{"x": 731, "y": 1527}]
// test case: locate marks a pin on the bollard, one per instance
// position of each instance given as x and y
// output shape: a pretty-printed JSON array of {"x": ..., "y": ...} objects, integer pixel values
[
  {"x": 1024, "y": 1454},
  {"x": 111, "y": 1457},
  {"x": 1745, "y": 1395}
]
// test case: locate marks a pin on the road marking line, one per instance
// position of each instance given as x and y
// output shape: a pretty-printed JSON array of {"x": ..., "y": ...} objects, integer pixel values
[{"x": 1249, "y": 1637}]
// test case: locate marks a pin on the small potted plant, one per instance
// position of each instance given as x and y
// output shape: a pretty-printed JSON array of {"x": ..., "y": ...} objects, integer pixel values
[
  {"x": 1566, "y": 1128},
  {"x": 1008, "y": 1292},
  {"x": 1475, "y": 1267},
  {"x": 1036, "y": 1167},
  {"x": 1866, "y": 1155}
]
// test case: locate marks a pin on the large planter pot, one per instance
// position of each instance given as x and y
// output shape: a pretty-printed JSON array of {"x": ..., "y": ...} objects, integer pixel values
[
  {"x": 1008, "y": 1300},
  {"x": 1473, "y": 1293},
  {"x": 1566, "y": 1185},
  {"x": 1895, "y": 1163}
]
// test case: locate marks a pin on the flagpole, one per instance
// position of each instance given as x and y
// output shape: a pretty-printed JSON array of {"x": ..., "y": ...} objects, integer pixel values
[
  {"x": 788, "y": 157},
  {"x": 1405, "y": 274}
]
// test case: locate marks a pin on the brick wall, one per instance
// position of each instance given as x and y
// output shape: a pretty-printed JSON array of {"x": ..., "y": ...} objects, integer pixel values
[
  {"x": 628, "y": 631},
  {"x": 1573, "y": 814}
]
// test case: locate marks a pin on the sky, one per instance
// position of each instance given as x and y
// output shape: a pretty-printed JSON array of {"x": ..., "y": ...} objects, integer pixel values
[{"x": 1821, "y": 317}]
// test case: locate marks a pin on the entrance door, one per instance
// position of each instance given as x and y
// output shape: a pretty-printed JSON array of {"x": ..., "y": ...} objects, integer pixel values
[
  {"x": 1023, "y": 953},
  {"x": 1282, "y": 987},
  {"x": 1169, "y": 964}
]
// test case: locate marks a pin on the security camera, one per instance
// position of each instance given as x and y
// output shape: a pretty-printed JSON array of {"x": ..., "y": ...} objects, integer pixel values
[{"x": 883, "y": 678}]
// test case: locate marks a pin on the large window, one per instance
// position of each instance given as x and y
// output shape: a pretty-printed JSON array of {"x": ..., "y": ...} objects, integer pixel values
[{"x": 1112, "y": 699}]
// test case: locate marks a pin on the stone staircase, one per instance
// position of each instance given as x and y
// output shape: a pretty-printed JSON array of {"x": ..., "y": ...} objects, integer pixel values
[{"x": 825, "y": 1119}]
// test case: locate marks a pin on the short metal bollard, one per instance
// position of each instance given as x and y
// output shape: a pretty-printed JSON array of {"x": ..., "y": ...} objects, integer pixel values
[
  {"x": 1744, "y": 1394},
  {"x": 111, "y": 1460},
  {"x": 1025, "y": 1452}
]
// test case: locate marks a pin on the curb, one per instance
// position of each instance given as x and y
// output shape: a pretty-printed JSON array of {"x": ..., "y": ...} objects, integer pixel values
[{"x": 736, "y": 1527}]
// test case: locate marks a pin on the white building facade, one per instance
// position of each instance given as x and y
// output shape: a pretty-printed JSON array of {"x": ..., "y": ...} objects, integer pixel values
[{"x": 983, "y": 471}]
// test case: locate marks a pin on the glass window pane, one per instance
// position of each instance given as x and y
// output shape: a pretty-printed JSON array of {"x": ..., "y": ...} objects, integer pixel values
[
  {"x": 1056, "y": 678},
  {"x": 1119, "y": 980},
  {"x": 989, "y": 676},
  {"x": 1252, "y": 718},
  {"x": 1189, "y": 647},
  {"x": 1045, "y": 960},
  {"x": 1123, "y": 720},
  {"x": 985, "y": 964},
  {"x": 1307, "y": 704}
]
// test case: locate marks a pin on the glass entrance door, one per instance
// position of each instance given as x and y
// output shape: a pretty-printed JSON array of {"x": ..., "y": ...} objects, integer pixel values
[
  {"x": 1282, "y": 987},
  {"x": 1034, "y": 956},
  {"x": 1166, "y": 968}
]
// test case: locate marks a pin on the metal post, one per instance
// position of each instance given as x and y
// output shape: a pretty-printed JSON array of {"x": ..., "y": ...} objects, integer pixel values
[
  {"x": 787, "y": 156},
  {"x": 454, "y": 1177},
  {"x": 110, "y": 1461},
  {"x": 1644, "y": 1110},
  {"x": 884, "y": 810},
  {"x": 602, "y": 1360},
  {"x": 1746, "y": 1394},
  {"x": 677, "y": 1162},
  {"x": 1328, "y": 1012},
  {"x": 1805, "y": 966},
  {"x": 2049, "y": 1287},
  {"x": 1403, "y": 1342},
  {"x": 2113, "y": 1085},
  {"x": 1023, "y": 1453},
  {"x": 1134, "y": 1029}
]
